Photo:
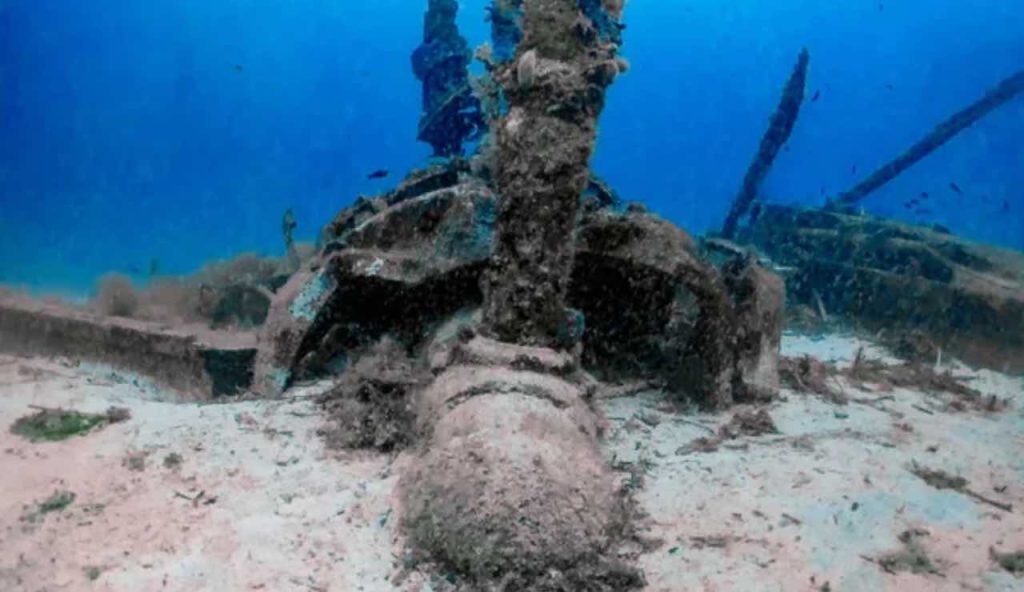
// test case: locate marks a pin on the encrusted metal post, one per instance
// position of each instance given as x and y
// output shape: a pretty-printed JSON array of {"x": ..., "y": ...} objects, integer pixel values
[
  {"x": 779, "y": 130},
  {"x": 555, "y": 91},
  {"x": 451, "y": 114},
  {"x": 996, "y": 97}
]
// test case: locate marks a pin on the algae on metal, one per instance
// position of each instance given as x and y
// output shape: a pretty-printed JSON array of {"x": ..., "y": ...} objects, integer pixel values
[{"x": 305, "y": 306}]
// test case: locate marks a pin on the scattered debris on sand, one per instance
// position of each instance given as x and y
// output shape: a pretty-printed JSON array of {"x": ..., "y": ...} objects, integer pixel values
[
  {"x": 912, "y": 557},
  {"x": 745, "y": 422},
  {"x": 940, "y": 479},
  {"x": 807, "y": 374},
  {"x": 1011, "y": 562}
]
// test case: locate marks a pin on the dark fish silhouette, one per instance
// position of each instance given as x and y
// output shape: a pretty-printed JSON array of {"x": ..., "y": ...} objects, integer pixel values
[
  {"x": 1005, "y": 208},
  {"x": 889, "y": 86},
  {"x": 817, "y": 95},
  {"x": 853, "y": 170},
  {"x": 239, "y": 67},
  {"x": 956, "y": 188},
  {"x": 378, "y": 174},
  {"x": 924, "y": 195},
  {"x": 621, "y": 26}
]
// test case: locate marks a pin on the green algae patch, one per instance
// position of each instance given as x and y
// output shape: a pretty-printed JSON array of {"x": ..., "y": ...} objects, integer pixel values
[
  {"x": 55, "y": 425},
  {"x": 58, "y": 502},
  {"x": 304, "y": 306}
]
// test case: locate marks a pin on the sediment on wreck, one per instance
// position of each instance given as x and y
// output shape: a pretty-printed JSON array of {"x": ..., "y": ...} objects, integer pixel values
[{"x": 510, "y": 490}]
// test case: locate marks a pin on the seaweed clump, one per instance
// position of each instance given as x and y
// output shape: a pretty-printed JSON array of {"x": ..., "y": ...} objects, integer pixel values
[
  {"x": 58, "y": 502},
  {"x": 54, "y": 425},
  {"x": 115, "y": 296},
  {"x": 1011, "y": 562},
  {"x": 369, "y": 406},
  {"x": 912, "y": 557}
]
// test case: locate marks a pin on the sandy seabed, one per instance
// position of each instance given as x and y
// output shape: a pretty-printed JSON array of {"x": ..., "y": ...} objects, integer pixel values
[{"x": 258, "y": 503}]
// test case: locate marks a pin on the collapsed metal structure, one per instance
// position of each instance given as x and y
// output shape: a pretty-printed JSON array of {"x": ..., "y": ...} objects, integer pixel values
[{"x": 474, "y": 309}]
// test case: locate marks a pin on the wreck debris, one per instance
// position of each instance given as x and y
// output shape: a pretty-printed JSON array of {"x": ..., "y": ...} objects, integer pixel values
[
  {"x": 779, "y": 130},
  {"x": 422, "y": 256},
  {"x": 996, "y": 97},
  {"x": 710, "y": 337},
  {"x": 759, "y": 299},
  {"x": 732, "y": 353},
  {"x": 883, "y": 276},
  {"x": 808, "y": 374},
  {"x": 451, "y": 113},
  {"x": 195, "y": 363},
  {"x": 745, "y": 422},
  {"x": 510, "y": 487},
  {"x": 510, "y": 482}
]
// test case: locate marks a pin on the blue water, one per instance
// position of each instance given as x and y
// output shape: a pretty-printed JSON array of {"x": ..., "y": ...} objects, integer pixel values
[{"x": 182, "y": 130}]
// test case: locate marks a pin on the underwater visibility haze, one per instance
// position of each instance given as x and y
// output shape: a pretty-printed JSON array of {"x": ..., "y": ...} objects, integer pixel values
[
  {"x": 182, "y": 131},
  {"x": 512, "y": 295}
]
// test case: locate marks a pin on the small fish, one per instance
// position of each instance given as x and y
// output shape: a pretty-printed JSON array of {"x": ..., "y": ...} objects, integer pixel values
[
  {"x": 817, "y": 95},
  {"x": 378, "y": 174},
  {"x": 853, "y": 170},
  {"x": 239, "y": 67},
  {"x": 956, "y": 188},
  {"x": 621, "y": 26},
  {"x": 924, "y": 195},
  {"x": 889, "y": 86},
  {"x": 1005, "y": 208}
]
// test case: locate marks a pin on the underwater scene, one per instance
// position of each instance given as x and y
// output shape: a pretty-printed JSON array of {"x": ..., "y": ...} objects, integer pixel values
[{"x": 512, "y": 295}]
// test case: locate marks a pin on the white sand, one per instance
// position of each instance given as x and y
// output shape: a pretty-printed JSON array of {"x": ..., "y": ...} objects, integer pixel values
[{"x": 289, "y": 515}]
